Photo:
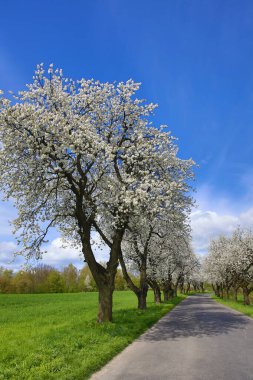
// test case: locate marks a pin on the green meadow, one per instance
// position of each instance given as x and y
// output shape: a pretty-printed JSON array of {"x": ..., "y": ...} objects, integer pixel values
[
  {"x": 236, "y": 305},
  {"x": 55, "y": 336}
]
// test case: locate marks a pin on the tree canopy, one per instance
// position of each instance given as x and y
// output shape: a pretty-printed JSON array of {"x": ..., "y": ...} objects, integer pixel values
[{"x": 84, "y": 156}]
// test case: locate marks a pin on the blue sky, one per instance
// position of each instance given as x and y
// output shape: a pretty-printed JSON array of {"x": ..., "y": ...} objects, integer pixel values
[{"x": 194, "y": 58}]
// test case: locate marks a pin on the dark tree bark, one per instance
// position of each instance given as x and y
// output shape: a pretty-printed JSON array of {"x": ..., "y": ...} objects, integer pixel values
[
  {"x": 103, "y": 276},
  {"x": 179, "y": 280},
  {"x": 105, "y": 304},
  {"x": 168, "y": 294},
  {"x": 165, "y": 295},
  {"x": 182, "y": 288},
  {"x": 246, "y": 293},
  {"x": 235, "y": 291},
  {"x": 217, "y": 290},
  {"x": 143, "y": 291},
  {"x": 142, "y": 298},
  {"x": 157, "y": 296},
  {"x": 168, "y": 291},
  {"x": 140, "y": 292},
  {"x": 156, "y": 289}
]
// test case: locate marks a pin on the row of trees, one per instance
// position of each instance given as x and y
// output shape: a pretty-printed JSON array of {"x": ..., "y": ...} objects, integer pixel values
[
  {"x": 83, "y": 156},
  {"x": 229, "y": 264},
  {"x": 46, "y": 279},
  {"x": 162, "y": 254}
]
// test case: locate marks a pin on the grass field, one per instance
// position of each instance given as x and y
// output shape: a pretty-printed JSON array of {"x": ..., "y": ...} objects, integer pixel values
[
  {"x": 55, "y": 336},
  {"x": 247, "y": 310}
]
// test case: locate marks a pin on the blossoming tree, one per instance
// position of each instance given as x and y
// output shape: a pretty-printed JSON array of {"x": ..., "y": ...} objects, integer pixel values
[
  {"x": 229, "y": 264},
  {"x": 147, "y": 243},
  {"x": 82, "y": 156}
]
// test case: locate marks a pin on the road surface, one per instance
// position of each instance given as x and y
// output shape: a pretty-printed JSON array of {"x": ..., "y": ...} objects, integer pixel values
[{"x": 198, "y": 340}]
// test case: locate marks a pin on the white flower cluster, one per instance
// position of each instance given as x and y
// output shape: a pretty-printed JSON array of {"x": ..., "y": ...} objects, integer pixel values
[
  {"x": 159, "y": 248},
  {"x": 229, "y": 264},
  {"x": 83, "y": 155}
]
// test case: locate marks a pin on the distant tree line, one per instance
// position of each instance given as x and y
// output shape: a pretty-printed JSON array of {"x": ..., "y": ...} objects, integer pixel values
[
  {"x": 47, "y": 279},
  {"x": 229, "y": 265}
]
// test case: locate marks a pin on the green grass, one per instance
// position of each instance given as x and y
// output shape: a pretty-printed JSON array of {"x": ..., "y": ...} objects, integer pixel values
[
  {"x": 239, "y": 306},
  {"x": 55, "y": 336}
]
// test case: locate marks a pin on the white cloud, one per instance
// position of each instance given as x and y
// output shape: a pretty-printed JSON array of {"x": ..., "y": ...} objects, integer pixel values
[
  {"x": 247, "y": 217},
  {"x": 58, "y": 255},
  {"x": 215, "y": 215},
  {"x": 7, "y": 260},
  {"x": 209, "y": 224}
]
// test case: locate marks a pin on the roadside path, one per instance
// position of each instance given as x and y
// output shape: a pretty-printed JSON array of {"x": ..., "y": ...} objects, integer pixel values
[{"x": 198, "y": 340}]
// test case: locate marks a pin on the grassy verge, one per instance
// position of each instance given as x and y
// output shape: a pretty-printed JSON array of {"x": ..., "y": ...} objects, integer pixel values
[
  {"x": 239, "y": 306},
  {"x": 55, "y": 336}
]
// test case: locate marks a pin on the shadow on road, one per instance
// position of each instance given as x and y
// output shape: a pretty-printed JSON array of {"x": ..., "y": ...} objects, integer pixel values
[{"x": 197, "y": 316}]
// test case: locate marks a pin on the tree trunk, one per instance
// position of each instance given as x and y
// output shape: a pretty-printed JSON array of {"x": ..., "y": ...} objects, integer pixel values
[
  {"x": 216, "y": 290},
  {"x": 227, "y": 293},
  {"x": 105, "y": 304},
  {"x": 182, "y": 289},
  {"x": 246, "y": 299},
  {"x": 235, "y": 291},
  {"x": 142, "y": 291},
  {"x": 142, "y": 298},
  {"x": 142, "y": 294},
  {"x": 188, "y": 287},
  {"x": 217, "y": 293},
  {"x": 103, "y": 276},
  {"x": 166, "y": 295},
  {"x": 156, "y": 289},
  {"x": 157, "y": 296}
]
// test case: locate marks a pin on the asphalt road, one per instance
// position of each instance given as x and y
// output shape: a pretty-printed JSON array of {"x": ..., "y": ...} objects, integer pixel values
[{"x": 198, "y": 340}]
